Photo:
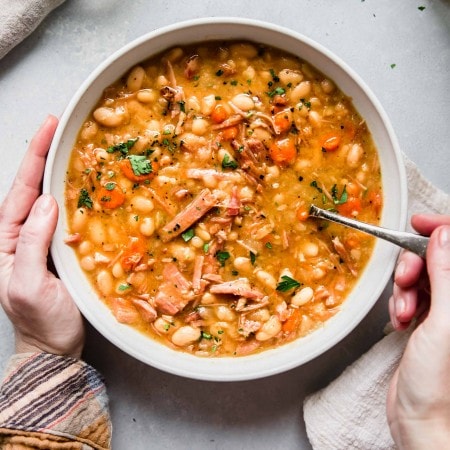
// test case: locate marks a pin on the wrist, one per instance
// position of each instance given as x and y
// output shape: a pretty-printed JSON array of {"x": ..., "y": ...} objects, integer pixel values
[
  {"x": 431, "y": 433},
  {"x": 30, "y": 345}
]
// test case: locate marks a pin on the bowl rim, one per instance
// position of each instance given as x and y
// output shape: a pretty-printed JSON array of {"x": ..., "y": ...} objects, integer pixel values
[{"x": 247, "y": 367}]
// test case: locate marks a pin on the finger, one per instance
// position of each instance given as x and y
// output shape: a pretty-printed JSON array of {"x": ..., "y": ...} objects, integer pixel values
[
  {"x": 438, "y": 265},
  {"x": 30, "y": 265},
  {"x": 393, "y": 316},
  {"x": 409, "y": 269},
  {"x": 405, "y": 304},
  {"x": 26, "y": 185},
  {"x": 426, "y": 223}
]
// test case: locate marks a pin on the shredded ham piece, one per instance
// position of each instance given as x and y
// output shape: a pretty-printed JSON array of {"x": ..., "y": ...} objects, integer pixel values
[
  {"x": 240, "y": 287},
  {"x": 193, "y": 212}
]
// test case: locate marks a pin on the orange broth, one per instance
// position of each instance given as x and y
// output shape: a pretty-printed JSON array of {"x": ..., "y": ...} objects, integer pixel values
[{"x": 188, "y": 195}]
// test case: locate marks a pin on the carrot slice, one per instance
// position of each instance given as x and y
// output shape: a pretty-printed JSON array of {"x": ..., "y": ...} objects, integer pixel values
[
  {"x": 133, "y": 254},
  {"x": 302, "y": 213},
  {"x": 282, "y": 122},
  {"x": 330, "y": 141},
  {"x": 219, "y": 113},
  {"x": 127, "y": 170},
  {"x": 283, "y": 151},
  {"x": 352, "y": 207},
  {"x": 110, "y": 196},
  {"x": 228, "y": 134},
  {"x": 293, "y": 321}
]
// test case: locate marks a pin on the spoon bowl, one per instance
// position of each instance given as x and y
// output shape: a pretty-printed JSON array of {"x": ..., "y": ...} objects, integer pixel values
[{"x": 415, "y": 243}]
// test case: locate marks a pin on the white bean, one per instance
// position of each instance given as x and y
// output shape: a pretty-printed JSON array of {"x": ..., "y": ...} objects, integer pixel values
[
  {"x": 225, "y": 313},
  {"x": 185, "y": 336},
  {"x": 146, "y": 96},
  {"x": 136, "y": 78},
  {"x": 97, "y": 232},
  {"x": 315, "y": 119},
  {"x": 87, "y": 263},
  {"x": 310, "y": 249},
  {"x": 269, "y": 329},
  {"x": 244, "y": 102},
  {"x": 147, "y": 226},
  {"x": 197, "y": 242},
  {"x": 266, "y": 278},
  {"x": 208, "y": 299},
  {"x": 117, "y": 270},
  {"x": 105, "y": 282},
  {"x": 199, "y": 126},
  {"x": 327, "y": 86},
  {"x": 354, "y": 155},
  {"x": 79, "y": 220},
  {"x": 290, "y": 76},
  {"x": 85, "y": 247},
  {"x": 202, "y": 233},
  {"x": 110, "y": 117},
  {"x": 142, "y": 204},
  {"x": 302, "y": 297},
  {"x": 207, "y": 104},
  {"x": 101, "y": 155},
  {"x": 242, "y": 50},
  {"x": 242, "y": 263},
  {"x": 302, "y": 90},
  {"x": 161, "y": 325}
]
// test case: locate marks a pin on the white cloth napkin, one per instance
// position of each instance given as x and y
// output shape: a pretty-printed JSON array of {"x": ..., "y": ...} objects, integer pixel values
[
  {"x": 350, "y": 413},
  {"x": 19, "y": 18}
]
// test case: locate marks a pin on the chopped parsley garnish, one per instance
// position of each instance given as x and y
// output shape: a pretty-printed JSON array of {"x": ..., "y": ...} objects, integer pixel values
[
  {"x": 268, "y": 245},
  {"x": 219, "y": 73},
  {"x": 188, "y": 235},
  {"x": 206, "y": 335},
  {"x": 252, "y": 258},
  {"x": 206, "y": 247},
  {"x": 336, "y": 199},
  {"x": 287, "y": 283},
  {"x": 276, "y": 91},
  {"x": 123, "y": 287},
  {"x": 233, "y": 82},
  {"x": 393, "y": 66},
  {"x": 229, "y": 163},
  {"x": 110, "y": 186},
  {"x": 84, "y": 199},
  {"x": 218, "y": 97},
  {"x": 140, "y": 165},
  {"x": 274, "y": 76},
  {"x": 123, "y": 147},
  {"x": 421, "y": 8},
  {"x": 315, "y": 185},
  {"x": 182, "y": 107},
  {"x": 222, "y": 257}
]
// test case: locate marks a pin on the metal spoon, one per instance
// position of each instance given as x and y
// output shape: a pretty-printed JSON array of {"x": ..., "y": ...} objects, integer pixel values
[{"x": 409, "y": 241}]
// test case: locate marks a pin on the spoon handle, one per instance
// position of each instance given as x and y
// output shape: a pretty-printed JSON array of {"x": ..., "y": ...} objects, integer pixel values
[{"x": 413, "y": 242}]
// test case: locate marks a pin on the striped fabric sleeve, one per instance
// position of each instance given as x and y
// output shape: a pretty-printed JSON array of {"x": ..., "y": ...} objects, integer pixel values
[{"x": 53, "y": 402}]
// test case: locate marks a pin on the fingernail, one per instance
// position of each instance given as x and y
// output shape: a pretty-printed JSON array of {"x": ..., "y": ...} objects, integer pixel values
[
  {"x": 400, "y": 306},
  {"x": 401, "y": 268},
  {"x": 444, "y": 236},
  {"x": 44, "y": 204}
]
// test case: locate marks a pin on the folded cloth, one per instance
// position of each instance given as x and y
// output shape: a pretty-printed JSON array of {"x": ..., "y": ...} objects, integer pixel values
[
  {"x": 350, "y": 413},
  {"x": 19, "y": 18}
]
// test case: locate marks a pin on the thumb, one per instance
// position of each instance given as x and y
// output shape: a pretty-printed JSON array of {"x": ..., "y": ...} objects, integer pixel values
[
  {"x": 438, "y": 265},
  {"x": 34, "y": 239}
]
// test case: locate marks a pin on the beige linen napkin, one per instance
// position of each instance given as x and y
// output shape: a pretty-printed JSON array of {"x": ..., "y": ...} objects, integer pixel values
[
  {"x": 19, "y": 18},
  {"x": 350, "y": 413}
]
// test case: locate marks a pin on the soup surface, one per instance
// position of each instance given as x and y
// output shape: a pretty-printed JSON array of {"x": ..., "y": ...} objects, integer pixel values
[{"x": 188, "y": 195}]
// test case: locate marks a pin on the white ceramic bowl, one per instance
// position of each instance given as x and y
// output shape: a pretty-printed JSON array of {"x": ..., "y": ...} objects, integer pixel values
[{"x": 374, "y": 278}]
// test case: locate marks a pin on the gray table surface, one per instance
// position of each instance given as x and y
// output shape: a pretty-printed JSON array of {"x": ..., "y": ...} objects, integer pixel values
[{"x": 403, "y": 54}]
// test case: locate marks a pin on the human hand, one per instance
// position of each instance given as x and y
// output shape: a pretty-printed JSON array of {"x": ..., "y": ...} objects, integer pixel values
[
  {"x": 42, "y": 311},
  {"x": 418, "y": 403}
]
